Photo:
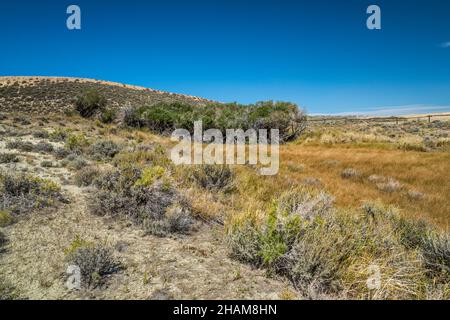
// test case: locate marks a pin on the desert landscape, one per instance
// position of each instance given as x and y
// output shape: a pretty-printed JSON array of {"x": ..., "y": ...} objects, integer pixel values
[{"x": 86, "y": 180}]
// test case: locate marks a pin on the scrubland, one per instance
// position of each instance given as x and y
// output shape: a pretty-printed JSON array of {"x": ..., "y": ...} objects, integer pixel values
[{"x": 357, "y": 211}]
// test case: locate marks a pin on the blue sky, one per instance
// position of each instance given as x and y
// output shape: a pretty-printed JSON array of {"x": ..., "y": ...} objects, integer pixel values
[{"x": 318, "y": 54}]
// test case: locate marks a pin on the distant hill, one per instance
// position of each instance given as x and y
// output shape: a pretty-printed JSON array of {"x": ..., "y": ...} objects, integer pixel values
[{"x": 44, "y": 95}]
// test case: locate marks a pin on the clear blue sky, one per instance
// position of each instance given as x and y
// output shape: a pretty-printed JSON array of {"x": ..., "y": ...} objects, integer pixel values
[{"x": 318, "y": 54}]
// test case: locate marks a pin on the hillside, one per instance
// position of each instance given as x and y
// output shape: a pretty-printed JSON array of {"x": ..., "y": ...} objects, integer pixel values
[{"x": 43, "y": 95}]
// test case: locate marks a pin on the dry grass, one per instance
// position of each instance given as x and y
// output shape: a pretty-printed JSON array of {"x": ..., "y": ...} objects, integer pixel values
[{"x": 423, "y": 172}]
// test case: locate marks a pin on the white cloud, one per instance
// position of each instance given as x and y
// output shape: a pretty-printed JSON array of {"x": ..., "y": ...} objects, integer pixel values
[
  {"x": 445, "y": 44},
  {"x": 394, "y": 110}
]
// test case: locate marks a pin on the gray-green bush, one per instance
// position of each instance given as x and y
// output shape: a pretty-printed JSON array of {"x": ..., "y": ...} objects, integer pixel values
[
  {"x": 20, "y": 193},
  {"x": 103, "y": 150},
  {"x": 96, "y": 264},
  {"x": 145, "y": 197}
]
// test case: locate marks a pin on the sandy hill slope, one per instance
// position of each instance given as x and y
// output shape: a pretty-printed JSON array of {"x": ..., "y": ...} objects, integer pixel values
[{"x": 56, "y": 94}]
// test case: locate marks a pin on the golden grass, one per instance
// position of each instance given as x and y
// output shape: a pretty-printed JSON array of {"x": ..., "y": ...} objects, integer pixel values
[{"x": 424, "y": 172}]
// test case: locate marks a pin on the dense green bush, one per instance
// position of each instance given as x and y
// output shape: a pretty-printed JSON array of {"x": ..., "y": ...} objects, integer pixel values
[
  {"x": 90, "y": 102},
  {"x": 164, "y": 118}
]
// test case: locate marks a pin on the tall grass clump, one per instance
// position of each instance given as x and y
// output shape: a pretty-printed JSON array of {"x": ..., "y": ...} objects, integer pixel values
[{"x": 330, "y": 253}]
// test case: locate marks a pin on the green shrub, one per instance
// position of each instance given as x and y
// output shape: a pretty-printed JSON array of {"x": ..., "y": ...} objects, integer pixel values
[
  {"x": 150, "y": 175},
  {"x": 89, "y": 103},
  {"x": 164, "y": 118}
]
